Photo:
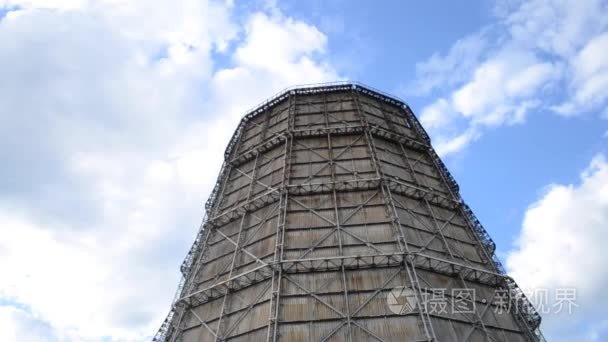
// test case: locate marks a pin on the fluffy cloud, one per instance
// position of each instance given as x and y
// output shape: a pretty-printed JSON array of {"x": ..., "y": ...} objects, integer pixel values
[
  {"x": 18, "y": 325},
  {"x": 452, "y": 144},
  {"x": 589, "y": 69},
  {"x": 561, "y": 245},
  {"x": 114, "y": 121},
  {"x": 501, "y": 91},
  {"x": 437, "y": 115},
  {"x": 439, "y": 71},
  {"x": 498, "y": 75},
  {"x": 558, "y": 27},
  {"x": 498, "y": 86}
]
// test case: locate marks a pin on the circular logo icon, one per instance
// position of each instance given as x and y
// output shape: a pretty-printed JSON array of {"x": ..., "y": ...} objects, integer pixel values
[{"x": 401, "y": 300}]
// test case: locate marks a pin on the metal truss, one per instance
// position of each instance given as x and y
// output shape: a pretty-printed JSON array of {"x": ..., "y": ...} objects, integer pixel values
[{"x": 421, "y": 207}]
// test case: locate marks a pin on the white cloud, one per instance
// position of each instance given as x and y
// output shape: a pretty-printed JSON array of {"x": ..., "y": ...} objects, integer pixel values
[
  {"x": 530, "y": 78},
  {"x": 265, "y": 34},
  {"x": 501, "y": 91},
  {"x": 589, "y": 77},
  {"x": 498, "y": 85},
  {"x": 45, "y": 4},
  {"x": 437, "y": 115},
  {"x": 446, "y": 145},
  {"x": 501, "y": 73},
  {"x": 18, "y": 325},
  {"x": 441, "y": 71},
  {"x": 114, "y": 122},
  {"x": 561, "y": 245},
  {"x": 74, "y": 281},
  {"x": 558, "y": 27},
  {"x": 278, "y": 52}
]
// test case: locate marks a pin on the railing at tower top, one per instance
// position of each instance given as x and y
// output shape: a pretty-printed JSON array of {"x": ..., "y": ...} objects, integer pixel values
[
  {"x": 194, "y": 250},
  {"x": 216, "y": 189},
  {"x": 309, "y": 88}
]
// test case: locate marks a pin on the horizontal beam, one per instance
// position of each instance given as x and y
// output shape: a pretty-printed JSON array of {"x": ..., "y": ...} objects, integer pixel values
[
  {"x": 336, "y": 263},
  {"x": 279, "y": 139}
]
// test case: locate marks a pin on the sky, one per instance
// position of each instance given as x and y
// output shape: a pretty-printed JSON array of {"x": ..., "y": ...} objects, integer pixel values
[{"x": 114, "y": 115}]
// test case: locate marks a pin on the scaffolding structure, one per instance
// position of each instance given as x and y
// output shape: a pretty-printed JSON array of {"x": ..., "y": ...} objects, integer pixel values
[{"x": 330, "y": 197}]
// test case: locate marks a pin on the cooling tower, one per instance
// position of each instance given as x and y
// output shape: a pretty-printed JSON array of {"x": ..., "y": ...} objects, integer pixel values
[{"x": 333, "y": 219}]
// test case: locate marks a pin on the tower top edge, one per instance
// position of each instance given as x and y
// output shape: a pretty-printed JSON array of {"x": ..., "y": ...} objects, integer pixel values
[
  {"x": 311, "y": 89},
  {"x": 320, "y": 88}
]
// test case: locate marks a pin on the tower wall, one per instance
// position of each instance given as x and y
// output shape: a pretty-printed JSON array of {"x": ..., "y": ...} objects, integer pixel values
[{"x": 331, "y": 201}]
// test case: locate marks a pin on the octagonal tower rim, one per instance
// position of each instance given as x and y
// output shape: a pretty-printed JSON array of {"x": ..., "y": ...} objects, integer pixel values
[{"x": 318, "y": 88}]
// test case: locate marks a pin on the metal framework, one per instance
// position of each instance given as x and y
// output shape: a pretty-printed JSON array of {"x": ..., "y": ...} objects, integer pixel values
[{"x": 329, "y": 197}]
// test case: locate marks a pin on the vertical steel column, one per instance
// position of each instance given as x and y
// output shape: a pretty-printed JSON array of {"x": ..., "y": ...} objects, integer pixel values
[
  {"x": 277, "y": 273},
  {"x": 332, "y": 169},
  {"x": 395, "y": 223}
]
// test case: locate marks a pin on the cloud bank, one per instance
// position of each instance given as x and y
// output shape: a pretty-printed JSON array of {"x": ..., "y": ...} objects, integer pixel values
[
  {"x": 497, "y": 76},
  {"x": 114, "y": 116},
  {"x": 561, "y": 246}
]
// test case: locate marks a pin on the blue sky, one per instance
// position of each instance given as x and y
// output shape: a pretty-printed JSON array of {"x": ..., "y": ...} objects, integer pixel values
[{"x": 114, "y": 116}]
